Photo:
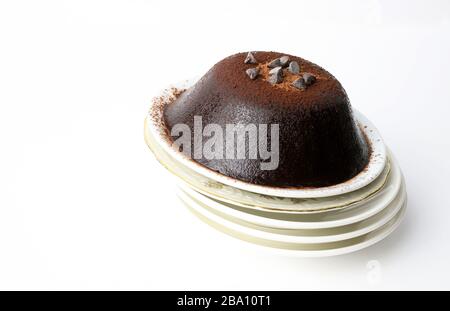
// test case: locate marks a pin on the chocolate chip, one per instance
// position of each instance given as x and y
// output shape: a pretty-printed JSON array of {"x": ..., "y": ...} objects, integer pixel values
[
  {"x": 284, "y": 61},
  {"x": 309, "y": 78},
  {"x": 250, "y": 59},
  {"x": 252, "y": 73},
  {"x": 294, "y": 67},
  {"x": 276, "y": 75},
  {"x": 299, "y": 84},
  {"x": 275, "y": 63}
]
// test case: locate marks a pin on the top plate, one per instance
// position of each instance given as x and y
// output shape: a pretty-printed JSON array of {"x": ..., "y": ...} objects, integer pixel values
[{"x": 374, "y": 168}]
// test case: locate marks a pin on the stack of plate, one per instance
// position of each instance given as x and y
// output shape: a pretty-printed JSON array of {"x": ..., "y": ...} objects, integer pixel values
[{"x": 308, "y": 222}]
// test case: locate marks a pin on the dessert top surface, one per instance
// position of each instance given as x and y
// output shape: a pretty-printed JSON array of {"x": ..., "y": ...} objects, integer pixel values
[{"x": 276, "y": 78}]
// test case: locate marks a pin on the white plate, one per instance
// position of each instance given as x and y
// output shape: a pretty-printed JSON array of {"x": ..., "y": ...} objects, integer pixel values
[
  {"x": 257, "y": 201},
  {"x": 375, "y": 167},
  {"x": 303, "y": 236},
  {"x": 332, "y": 218},
  {"x": 304, "y": 249},
  {"x": 329, "y": 219}
]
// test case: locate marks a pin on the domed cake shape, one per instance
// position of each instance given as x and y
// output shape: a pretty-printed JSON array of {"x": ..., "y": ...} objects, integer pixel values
[{"x": 311, "y": 137}]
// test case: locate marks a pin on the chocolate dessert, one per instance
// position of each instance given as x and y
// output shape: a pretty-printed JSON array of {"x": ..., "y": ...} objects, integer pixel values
[{"x": 319, "y": 142}]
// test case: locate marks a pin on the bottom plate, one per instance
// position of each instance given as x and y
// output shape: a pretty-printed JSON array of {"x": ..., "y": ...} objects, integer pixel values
[
  {"x": 303, "y": 249},
  {"x": 305, "y": 236},
  {"x": 352, "y": 214}
]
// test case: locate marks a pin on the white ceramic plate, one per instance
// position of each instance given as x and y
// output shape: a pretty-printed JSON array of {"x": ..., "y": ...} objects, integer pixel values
[
  {"x": 251, "y": 200},
  {"x": 303, "y": 236},
  {"x": 302, "y": 249},
  {"x": 329, "y": 219},
  {"x": 365, "y": 217},
  {"x": 374, "y": 168}
]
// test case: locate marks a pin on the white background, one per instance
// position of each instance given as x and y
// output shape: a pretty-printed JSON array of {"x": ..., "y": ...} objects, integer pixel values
[{"x": 83, "y": 203}]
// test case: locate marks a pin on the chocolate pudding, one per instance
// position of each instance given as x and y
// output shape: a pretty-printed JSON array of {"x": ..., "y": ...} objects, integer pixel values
[{"x": 319, "y": 143}]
